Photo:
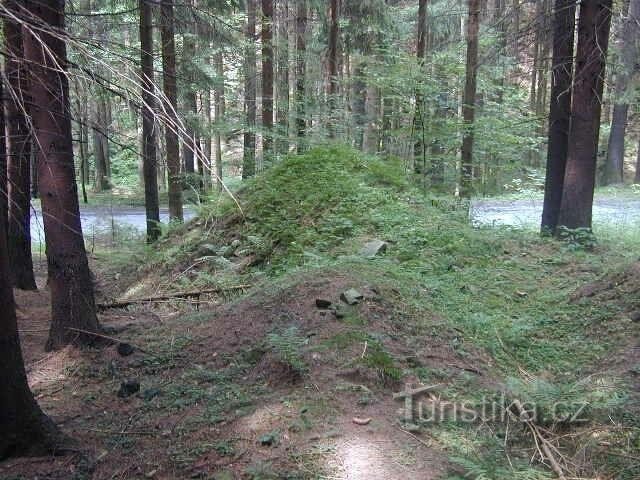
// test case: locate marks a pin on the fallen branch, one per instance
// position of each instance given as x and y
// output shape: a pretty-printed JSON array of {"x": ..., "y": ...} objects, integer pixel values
[
  {"x": 544, "y": 445},
  {"x": 169, "y": 296},
  {"x": 107, "y": 337}
]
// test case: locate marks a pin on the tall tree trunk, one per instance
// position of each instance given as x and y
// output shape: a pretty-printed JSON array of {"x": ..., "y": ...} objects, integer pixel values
[
  {"x": 282, "y": 110},
  {"x": 219, "y": 103},
  {"x": 19, "y": 160},
  {"x": 4, "y": 186},
  {"x": 100, "y": 145},
  {"x": 267, "y": 80},
  {"x": 149, "y": 154},
  {"x": 332, "y": 61},
  {"x": 301, "y": 74},
  {"x": 191, "y": 105},
  {"x": 249, "y": 155},
  {"x": 636, "y": 179},
  {"x": 72, "y": 296},
  {"x": 359, "y": 101},
  {"x": 559, "y": 111},
  {"x": 580, "y": 173},
  {"x": 614, "y": 169},
  {"x": 26, "y": 430},
  {"x": 469, "y": 100},
  {"x": 172, "y": 145},
  {"x": 419, "y": 152}
]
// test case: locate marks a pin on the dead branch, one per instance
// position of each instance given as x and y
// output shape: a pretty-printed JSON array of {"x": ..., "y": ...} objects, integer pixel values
[{"x": 169, "y": 296}]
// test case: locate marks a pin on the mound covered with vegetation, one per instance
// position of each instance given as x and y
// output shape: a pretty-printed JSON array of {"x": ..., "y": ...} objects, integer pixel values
[{"x": 482, "y": 316}]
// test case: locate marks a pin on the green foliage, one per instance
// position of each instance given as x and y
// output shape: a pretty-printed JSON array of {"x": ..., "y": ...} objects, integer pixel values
[
  {"x": 578, "y": 238},
  {"x": 489, "y": 469},
  {"x": 288, "y": 347}
]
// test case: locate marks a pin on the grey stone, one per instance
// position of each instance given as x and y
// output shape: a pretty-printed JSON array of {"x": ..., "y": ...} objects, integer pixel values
[
  {"x": 351, "y": 296},
  {"x": 374, "y": 248},
  {"x": 225, "y": 251}
]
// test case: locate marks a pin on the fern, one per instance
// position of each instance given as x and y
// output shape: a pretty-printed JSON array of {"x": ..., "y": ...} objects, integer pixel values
[{"x": 288, "y": 347}]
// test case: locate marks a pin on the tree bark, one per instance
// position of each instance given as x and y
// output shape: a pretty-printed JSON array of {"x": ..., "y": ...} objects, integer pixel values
[
  {"x": 149, "y": 153},
  {"x": 19, "y": 159},
  {"x": 26, "y": 430},
  {"x": 249, "y": 155},
  {"x": 4, "y": 186},
  {"x": 219, "y": 103},
  {"x": 332, "y": 61},
  {"x": 559, "y": 111},
  {"x": 419, "y": 152},
  {"x": 614, "y": 168},
  {"x": 72, "y": 296},
  {"x": 101, "y": 145},
  {"x": 636, "y": 179},
  {"x": 172, "y": 142},
  {"x": 282, "y": 110},
  {"x": 267, "y": 80},
  {"x": 580, "y": 173},
  {"x": 301, "y": 74},
  {"x": 469, "y": 100}
]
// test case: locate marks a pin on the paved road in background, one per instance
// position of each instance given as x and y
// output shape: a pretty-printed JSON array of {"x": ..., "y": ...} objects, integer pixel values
[
  {"x": 527, "y": 213},
  {"x": 100, "y": 221}
]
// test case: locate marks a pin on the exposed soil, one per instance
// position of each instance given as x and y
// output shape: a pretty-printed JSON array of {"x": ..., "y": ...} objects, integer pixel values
[{"x": 214, "y": 400}]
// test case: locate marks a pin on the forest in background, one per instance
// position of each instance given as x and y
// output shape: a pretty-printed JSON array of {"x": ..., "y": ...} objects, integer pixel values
[{"x": 319, "y": 161}]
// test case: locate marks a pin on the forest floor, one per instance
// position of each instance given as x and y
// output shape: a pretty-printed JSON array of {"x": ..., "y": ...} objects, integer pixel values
[{"x": 284, "y": 375}]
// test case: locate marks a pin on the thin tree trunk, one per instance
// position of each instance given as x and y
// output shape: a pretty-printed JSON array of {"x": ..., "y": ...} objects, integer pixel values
[
  {"x": 580, "y": 173},
  {"x": 219, "y": 103},
  {"x": 19, "y": 161},
  {"x": 267, "y": 80},
  {"x": 249, "y": 155},
  {"x": 636, "y": 179},
  {"x": 419, "y": 152},
  {"x": 469, "y": 100},
  {"x": 100, "y": 145},
  {"x": 614, "y": 169},
  {"x": 559, "y": 111},
  {"x": 172, "y": 143},
  {"x": 282, "y": 110},
  {"x": 332, "y": 60},
  {"x": 72, "y": 296},
  {"x": 149, "y": 154},
  {"x": 301, "y": 73}
]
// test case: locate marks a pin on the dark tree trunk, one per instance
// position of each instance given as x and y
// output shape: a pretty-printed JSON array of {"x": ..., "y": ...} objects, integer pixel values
[
  {"x": 172, "y": 144},
  {"x": 559, "y": 111},
  {"x": 191, "y": 99},
  {"x": 4, "y": 186},
  {"x": 419, "y": 152},
  {"x": 282, "y": 111},
  {"x": 301, "y": 73},
  {"x": 267, "y": 80},
  {"x": 249, "y": 156},
  {"x": 469, "y": 101},
  {"x": 72, "y": 296},
  {"x": 26, "y": 430},
  {"x": 101, "y": 146},
  {"x": 19, "y": 160},
  {"x": 332, "y": 60},
  {"x": 614, "y": 168},
  {"x": 580, "y": 173},
  {"x": 149, "y": 167}
]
